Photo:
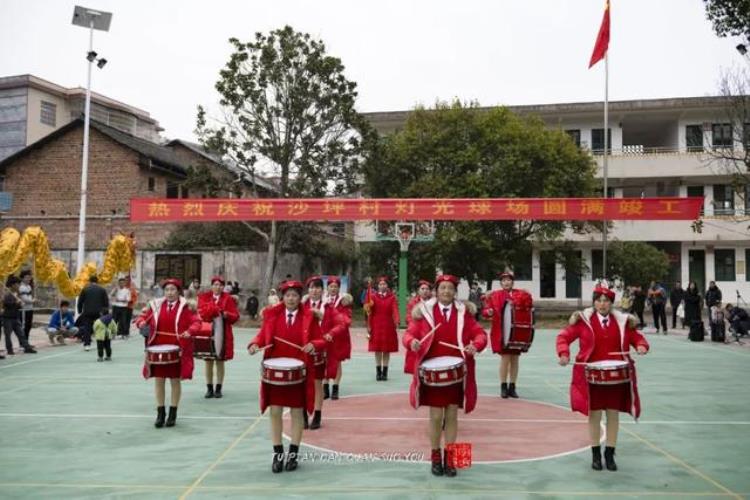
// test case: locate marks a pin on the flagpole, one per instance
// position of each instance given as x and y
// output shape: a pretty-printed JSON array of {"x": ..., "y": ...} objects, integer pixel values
[{"x": 606, "y": 154}]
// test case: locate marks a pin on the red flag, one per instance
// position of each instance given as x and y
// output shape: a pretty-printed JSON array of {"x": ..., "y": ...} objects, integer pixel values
[{"x": 602, "y": 39}]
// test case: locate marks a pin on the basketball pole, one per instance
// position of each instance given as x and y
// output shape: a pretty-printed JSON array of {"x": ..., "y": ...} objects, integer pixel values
[{"x": 403, "y": 285}]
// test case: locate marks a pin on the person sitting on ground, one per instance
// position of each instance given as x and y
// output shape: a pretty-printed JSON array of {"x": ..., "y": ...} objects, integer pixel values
[
  {"x": 738, "y": 319},
  {"x": 105, "y": 329},
  {"x": 61, "y": 324}
]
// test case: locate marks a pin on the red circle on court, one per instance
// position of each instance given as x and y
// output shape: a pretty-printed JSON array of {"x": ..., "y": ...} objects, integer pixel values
[{"x": 499, "y": 430}]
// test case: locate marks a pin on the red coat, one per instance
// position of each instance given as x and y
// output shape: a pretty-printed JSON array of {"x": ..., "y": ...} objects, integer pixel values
[
  {"x": 494, "y": 304},
  {"x": 187, "y": 321},
  {"x": 580, "y": 329},
  {"x": 310, "y": 334},
  {"x": 411, "y": 357},
  {"x": 470, "y": 332},
  {"x": 342, "y": 340},
  {"x": 208, "y": 310},
  {"x": 332, "y": 323},
  {"x": 383, "y": 321}
]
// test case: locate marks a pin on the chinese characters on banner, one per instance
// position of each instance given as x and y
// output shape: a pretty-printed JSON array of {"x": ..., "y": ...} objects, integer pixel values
[{"x": 334, "y": 209}]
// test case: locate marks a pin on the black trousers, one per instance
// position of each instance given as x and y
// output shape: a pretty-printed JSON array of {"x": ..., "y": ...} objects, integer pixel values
[
  {"x": 674, "y": 317},
  {"x": 120, "y": 315},
  {"x": 27, "y": 320},
  {"x": 104, "y": 345},
  {"x": 13, "y": 325},
  {"x": 86, "y": 325},
  {"x": 660, "y": 316}
]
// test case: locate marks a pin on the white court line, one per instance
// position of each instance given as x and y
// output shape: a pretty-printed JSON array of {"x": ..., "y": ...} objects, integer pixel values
[
  {"x": 710, "y": 346},
  {"x": 4, "y": 366},
  {"x": 465, "y": 419}
]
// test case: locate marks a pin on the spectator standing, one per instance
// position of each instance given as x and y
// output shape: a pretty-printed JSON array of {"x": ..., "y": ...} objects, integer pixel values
[
  {"x": 120, "y": 300},
  {"x": 131, "y": 304},
  {"x": 475, "y": 297},
  {"x": 676, "y": 296},
  {"x": 639, "y": 304},
  {"x": 713, "y": 295},
  {"x": 12, "y": 316},
  {"x": 657, "y": 297},
  {"x": 26, "y": 293},
  {"x": 692, "y": 304},
  {"x": 252, "y": 305},
  {"x": 92, "y": 300}
]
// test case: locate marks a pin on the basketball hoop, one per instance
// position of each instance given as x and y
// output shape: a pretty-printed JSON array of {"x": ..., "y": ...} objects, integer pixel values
[{"x": 404, "y": 234}]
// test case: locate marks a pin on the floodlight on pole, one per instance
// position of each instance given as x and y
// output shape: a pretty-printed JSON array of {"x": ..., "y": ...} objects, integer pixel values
[{"x": 93, "y": 20}]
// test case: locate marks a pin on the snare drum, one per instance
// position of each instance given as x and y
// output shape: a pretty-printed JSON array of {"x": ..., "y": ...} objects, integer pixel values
[
  {"x": 442, "y": 371},
  {"x": 608, "y": 372},
  {"x": 283, "y": 371},
  {"x": 518, "y": 322},
  {"x": 166, "y": 354}
]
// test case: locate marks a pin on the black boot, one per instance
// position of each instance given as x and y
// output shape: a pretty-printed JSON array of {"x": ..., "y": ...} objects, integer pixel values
[
  {"x": 316, "y": 419},
  {"x": 437, "y": 462},
  {"x": 291, "y": 458},
  {"x": 596, "y": 457},
  {"x": 379, "y": 375},
  {"x": 335, "y": 392},
  {"x": 209, "y": 391},
  {"x": 504, "y": 390},
  {"x": 305, "y": 423},
  {"x": 160, "y": 414},
  {"x": 326, "y": 391},
  {"x": 172, "y": 418},
  {"x": 278, "y": 459},
  {"x": 450, "y": 471},
  {"x": 609, "y": 458},
  {"x": 512, "y": 390},
  {"x": 217, "y": 392},
  {"x": 385, "y": 373}
]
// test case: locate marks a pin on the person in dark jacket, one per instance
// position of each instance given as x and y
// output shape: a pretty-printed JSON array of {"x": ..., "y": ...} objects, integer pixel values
[
  {"x": 639, "y": 304},
  {"x": 676, "y": 296},
  {"x": 692, "y": 304},
  {"x": 657, "y": 297},
  {"x": 91, "y": 302},
  {"x": 713, "y": 296},
  {"x": 12, "y": 304},
  {"x": 738, "y": 319},
  {"x": 252, "y": 305}
]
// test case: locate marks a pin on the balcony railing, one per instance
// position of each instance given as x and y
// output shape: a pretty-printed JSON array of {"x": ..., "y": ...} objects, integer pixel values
[{"x": 639, "y": 150}]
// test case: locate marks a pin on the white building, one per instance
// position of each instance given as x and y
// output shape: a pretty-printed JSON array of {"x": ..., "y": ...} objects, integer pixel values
[{"x": 660, "y": 147}]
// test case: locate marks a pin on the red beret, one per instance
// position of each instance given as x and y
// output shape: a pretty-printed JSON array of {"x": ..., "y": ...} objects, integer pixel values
[
  {"x": 219, "y": 279},
  {"x": 600, "y": 290},
  {"x": 507, "y": 274},
  {"x": 311, "y": 279},
  {"x": 383, "y": 278},
  {"x": 334, "y": 279},
  {"x": 172, "y": 281},
  {"x": 291, "y": 284},
  {"x": 425, "y": 282},
  {"x": 446, "y": 277}
]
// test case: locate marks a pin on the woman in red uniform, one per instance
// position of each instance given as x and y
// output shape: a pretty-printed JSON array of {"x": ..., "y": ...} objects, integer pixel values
[
  {"x": 456, "y": 326},
  {"x": 424, "y": 292},
  {"x": 509, "y": 358},
  {"x": 382, "y": 327},
  {"x": 219, "y": 308},
  {"x": 603, "y": 334},
  {"x": 170, "y": 321},
  {"x": 341, "y": 350},
  {"x": 283, "y": 323},
  {"x": 324, "y": 316}
]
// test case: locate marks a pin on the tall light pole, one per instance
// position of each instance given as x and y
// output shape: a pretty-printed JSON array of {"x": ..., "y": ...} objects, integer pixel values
[{"x": 93, "y": 20}]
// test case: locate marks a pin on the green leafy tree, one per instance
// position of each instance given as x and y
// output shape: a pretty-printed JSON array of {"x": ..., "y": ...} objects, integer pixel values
[
  {"x": 729, "y": 17},
  {"x": 286, "y": 109},
  {"x": 636, "y": 262},
  {"x": 463, "y": 151}
]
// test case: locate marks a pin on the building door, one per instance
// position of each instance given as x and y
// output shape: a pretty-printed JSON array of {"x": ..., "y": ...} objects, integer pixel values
[
  {"x": 697, "y": 269},
  {"x": 573, "y": 289},
  {"x": 547, "y": 273}
]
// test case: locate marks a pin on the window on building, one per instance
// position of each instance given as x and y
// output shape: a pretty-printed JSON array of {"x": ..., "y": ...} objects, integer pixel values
[
  {"x": 597, "y": 140},
  {"x": 183, "y": 267},
  {"x": 184, "y": 192},
  {"x": 747, "y": 264},
  {"x": 696, "y": 192},
  {"x": 575, "y": 136},
  {"x": 152, "y": 183},
  {"x": 173, "y": 189},
  {"x": 721, "y": 135},
  {"x": 723, "y": 199},
  {"x": 522, "y": 265},
  {"x": 724, "y": 264},
  {"x": 633, "y": 191},
  {"x": 694, "y": 138},
  {"x": 48, "y": 114},
  {"x": 596, "y": 264}
]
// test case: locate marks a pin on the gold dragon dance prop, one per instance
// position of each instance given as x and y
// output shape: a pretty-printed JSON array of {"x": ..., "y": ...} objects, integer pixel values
[{"x": 17, "y": 248}]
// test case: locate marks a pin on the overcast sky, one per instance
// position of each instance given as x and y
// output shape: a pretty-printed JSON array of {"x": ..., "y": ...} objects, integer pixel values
[{"x": 164, "y": 56}]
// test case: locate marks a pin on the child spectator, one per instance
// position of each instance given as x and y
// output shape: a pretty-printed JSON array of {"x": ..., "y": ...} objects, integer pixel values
[{"x": 105, "y": 328}]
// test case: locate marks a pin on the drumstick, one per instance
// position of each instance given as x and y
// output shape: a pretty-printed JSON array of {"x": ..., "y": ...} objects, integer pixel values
[
  {"x": 180, "y": 335},
  {"x": 430, "y": 333},
  {"x": 622, "y": 352},
  {"x": 446, "y": 344},
  {"x": 265, "y": 347},
  {"x": 289, "y": 343}
]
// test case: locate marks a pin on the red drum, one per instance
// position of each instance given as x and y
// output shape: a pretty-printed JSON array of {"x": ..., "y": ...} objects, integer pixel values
[
  {"x": 283, "y": 371},
  {"x": 209, "y": 343},
  {"x": 442, "y": 370},
  {"x": 166, "y": 354},
  {"x": 518, "y": 321},
  {"x": 608, "y": 372},
  {"x": 319, "y": 358}
]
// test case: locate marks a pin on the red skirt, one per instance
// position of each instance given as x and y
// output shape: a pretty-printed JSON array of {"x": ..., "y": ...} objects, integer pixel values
[
  {"x": 610, "y": 397},
  {"x": 171, "y": 370},
  {"x": 513, "y": 352},
  {"x": 290, "y": 396},
  {"x": 320, "y": 371},
  {"x": 440, "y": 397}
]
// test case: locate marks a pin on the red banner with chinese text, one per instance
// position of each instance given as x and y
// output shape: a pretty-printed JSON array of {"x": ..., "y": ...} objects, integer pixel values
[{"x": 337, "y": 209}]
